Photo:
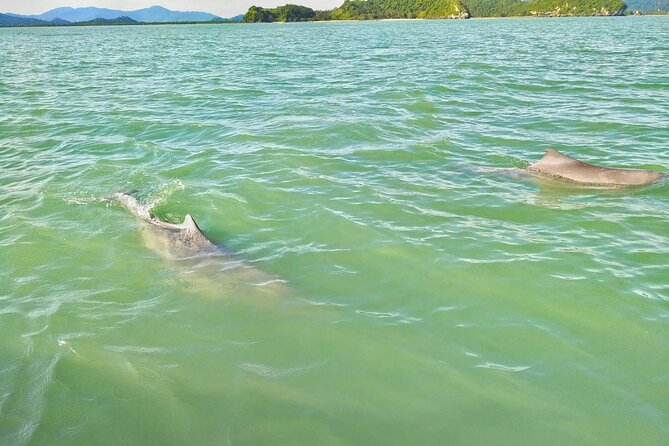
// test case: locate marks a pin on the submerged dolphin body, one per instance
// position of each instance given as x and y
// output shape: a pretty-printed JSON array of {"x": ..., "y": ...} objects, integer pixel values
[
  {"x": 207, "y": 267},
  {"x": 565, "y": 168},
  {"x": 171, "y": 240}
]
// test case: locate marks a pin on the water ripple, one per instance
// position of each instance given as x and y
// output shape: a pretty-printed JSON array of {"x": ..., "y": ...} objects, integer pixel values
[
  {"x": 503, "y": 368},
  {"x": 377, "y": 168}
]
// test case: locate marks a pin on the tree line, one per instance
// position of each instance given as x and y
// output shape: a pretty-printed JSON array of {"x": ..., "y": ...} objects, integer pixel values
[{"x": 435, "y": 9}]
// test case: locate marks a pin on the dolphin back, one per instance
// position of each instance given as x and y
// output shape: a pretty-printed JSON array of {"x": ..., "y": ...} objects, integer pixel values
[
  {"x": 562, "y": 167},
  {"x": 178, "y": 240}
]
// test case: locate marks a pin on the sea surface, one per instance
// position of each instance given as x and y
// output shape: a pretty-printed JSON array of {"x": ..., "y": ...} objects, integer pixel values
[{"x": 390, "y": 276}]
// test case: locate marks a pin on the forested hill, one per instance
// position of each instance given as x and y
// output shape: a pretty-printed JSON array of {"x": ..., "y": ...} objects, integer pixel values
[
  {"x": 123, "y": 20},
  {"x": 552, "y": 8},
  {"x": 362, "y": 10},
  {"x": 286, "y": 13},
  {"x": 437, "y": 9},
  {"x": 400, "y": 9}
]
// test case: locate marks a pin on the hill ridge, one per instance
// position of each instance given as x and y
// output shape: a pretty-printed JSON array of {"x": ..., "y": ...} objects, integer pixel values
[{"x": 152, "y": 14}]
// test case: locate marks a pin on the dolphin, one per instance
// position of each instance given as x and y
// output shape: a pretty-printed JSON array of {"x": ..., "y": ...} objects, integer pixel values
[
  {"x": 199, "y": 257},
  {"x": 175, "y": 241},
  {"x": 565, "y": 168}
]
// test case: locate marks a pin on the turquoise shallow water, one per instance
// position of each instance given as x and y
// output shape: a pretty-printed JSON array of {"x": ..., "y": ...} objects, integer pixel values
[{"x": 409, "y": 292}]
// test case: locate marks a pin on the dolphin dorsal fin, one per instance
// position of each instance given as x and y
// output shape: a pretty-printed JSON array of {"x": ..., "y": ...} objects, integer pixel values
[
  {"x": 189, "y": 223},
  {"x": 552, "y": 159},
  {"x": 553, "y": 154}
]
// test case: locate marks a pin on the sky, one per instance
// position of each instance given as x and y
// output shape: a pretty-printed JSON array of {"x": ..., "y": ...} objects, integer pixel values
[{"x": 222, "y": 8}]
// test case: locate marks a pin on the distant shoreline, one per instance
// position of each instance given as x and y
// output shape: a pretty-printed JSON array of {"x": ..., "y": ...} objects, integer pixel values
[
  {"x": 238, "y": 22},
  {"x": 80, "y": 25}
]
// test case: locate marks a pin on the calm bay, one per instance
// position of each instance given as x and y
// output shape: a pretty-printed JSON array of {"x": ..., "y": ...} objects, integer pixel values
[{"x": 420, "y": 295}]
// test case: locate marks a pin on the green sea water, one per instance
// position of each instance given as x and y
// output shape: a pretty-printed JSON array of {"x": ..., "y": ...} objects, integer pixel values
[{"x": 416, "y": 294}]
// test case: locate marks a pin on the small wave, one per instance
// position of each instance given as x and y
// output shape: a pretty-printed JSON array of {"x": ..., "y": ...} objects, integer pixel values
[
  {"x": 79, "y": 199},
  {"x": 653, "y": 293},
  {"x": 567, "y": 277},
  {"x": 518, "y": 258},
  {"x": 322, "y": 304},
  {"x": 346, "y": 216},
  {"x": 377, "y": 314},
  {"x": 393, "y": 316},
  {"x": 232, "y": 197},
  {"x": 134, "y": 349},
  {"x": 269, "y": 282},
  {"x": 310, "y": 248},
  {"x": 443, "y": 309},
  {"x": 163, "y": 192},
  {"x": 273, "y": 372},
  {"x": 503, "y": 368}
]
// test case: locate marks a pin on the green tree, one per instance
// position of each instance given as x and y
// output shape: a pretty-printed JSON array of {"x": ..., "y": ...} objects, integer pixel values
[{"x": 257, "y": 14}]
